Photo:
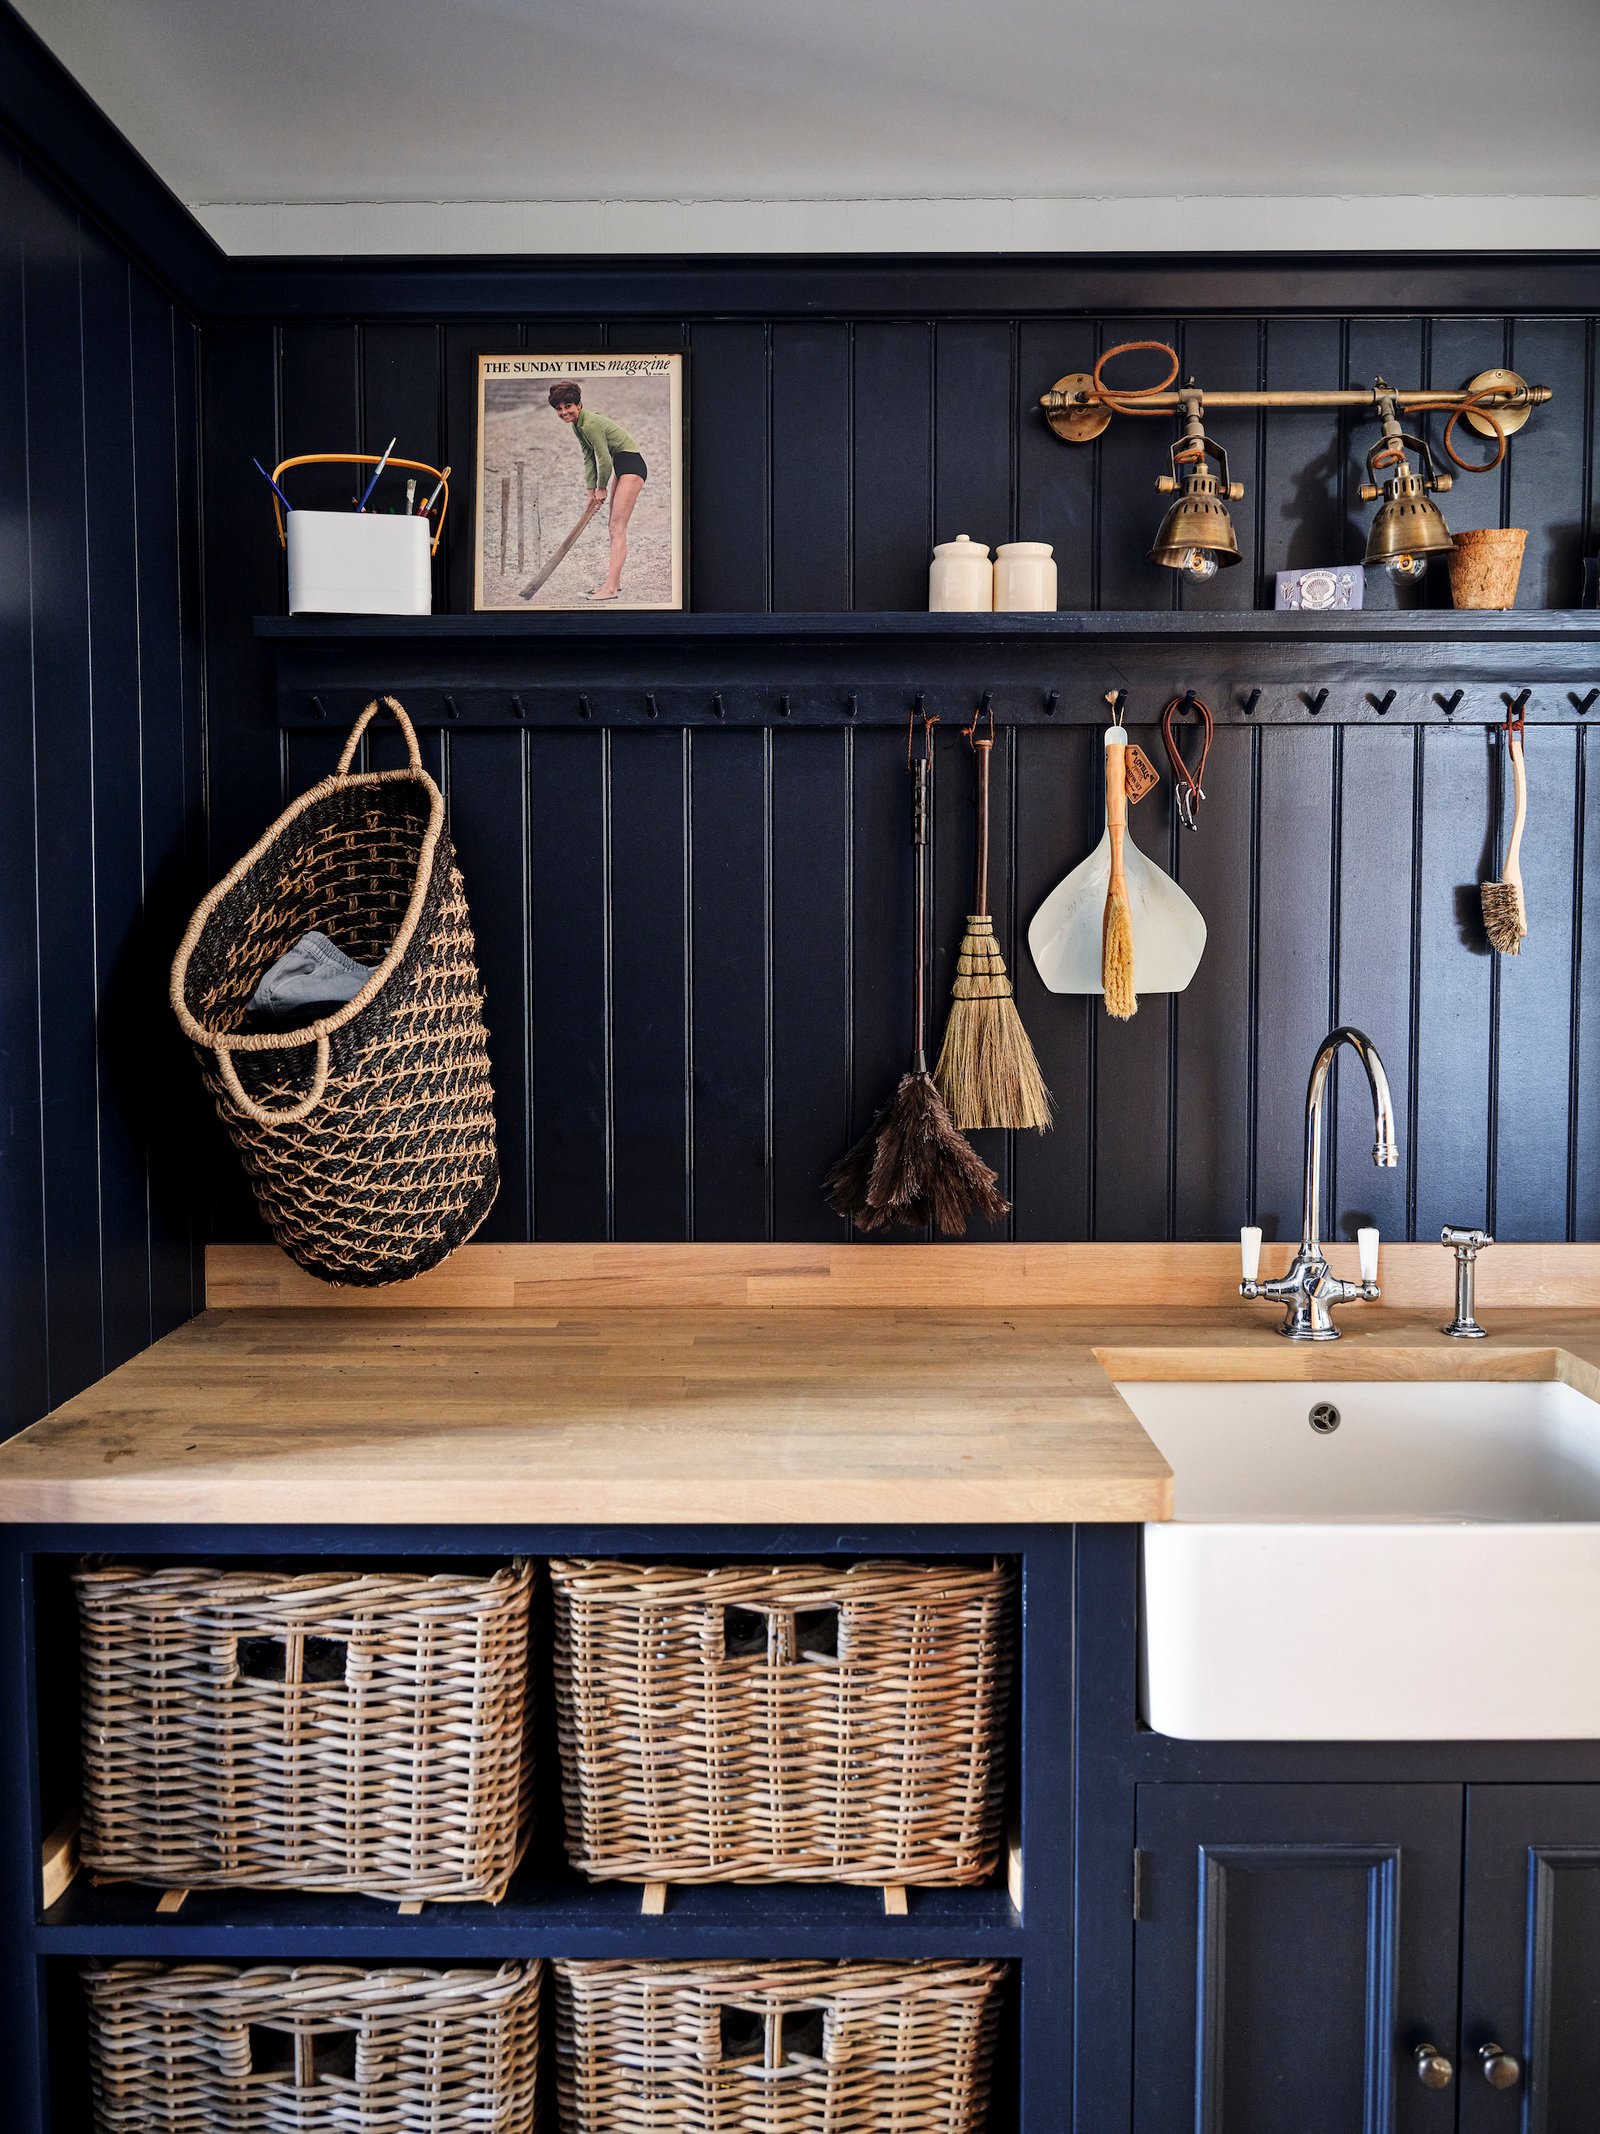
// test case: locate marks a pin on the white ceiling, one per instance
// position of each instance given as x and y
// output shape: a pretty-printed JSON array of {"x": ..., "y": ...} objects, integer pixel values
[{"x": 293, "y": 123}]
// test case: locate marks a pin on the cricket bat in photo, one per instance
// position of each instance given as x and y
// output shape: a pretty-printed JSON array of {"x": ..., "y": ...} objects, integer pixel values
[{"x": 558, "y": 554}]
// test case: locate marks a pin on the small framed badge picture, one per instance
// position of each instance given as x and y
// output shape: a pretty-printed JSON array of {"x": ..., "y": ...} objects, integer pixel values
[{"x": 580, "y": 482}]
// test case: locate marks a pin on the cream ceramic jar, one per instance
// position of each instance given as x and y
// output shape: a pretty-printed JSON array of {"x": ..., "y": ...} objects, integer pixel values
[
  {"x": 1024, "y": 577},
  {"x": 960, "y": 578}
]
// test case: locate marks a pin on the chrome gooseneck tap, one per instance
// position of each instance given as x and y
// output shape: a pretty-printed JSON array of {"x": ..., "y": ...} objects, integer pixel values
[{"x": 1309, "y": 1289}]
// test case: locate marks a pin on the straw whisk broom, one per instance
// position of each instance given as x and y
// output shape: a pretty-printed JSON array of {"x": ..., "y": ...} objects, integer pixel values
[
  {"x": 1505, "y": 911},
  {"x": 987, "y": 1072},
  {"x": 1116, "y": 939},
  {"x": 913, "y": 1164}
]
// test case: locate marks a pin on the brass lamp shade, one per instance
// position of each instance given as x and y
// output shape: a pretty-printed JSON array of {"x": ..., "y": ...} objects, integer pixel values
[
  {"x": 1408, "y": 523},
  {"x": 1198, "y": 520}
]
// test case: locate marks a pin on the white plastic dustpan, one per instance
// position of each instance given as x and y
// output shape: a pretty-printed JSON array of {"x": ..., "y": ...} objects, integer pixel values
[{"x": 1169, "y": 933}]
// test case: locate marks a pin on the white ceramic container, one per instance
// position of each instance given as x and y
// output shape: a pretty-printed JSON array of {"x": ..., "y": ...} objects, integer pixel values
[
  {"x": 1427, "y": 1570},
  {"x": 960, "y": 578},
  {"x": 359, "y": 563},
  {"x": 1025, "y": 577}
]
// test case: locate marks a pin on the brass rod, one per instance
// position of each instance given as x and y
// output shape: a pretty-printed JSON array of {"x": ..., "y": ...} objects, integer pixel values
[{"x": 1364, "y": 396}]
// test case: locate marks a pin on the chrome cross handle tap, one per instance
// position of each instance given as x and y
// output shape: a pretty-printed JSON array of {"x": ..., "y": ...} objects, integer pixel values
[{"x": 1310, "y": 1289}]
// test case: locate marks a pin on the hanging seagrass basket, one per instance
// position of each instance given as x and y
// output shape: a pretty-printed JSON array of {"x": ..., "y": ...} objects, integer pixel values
[{"x": 368, "y": 1133}]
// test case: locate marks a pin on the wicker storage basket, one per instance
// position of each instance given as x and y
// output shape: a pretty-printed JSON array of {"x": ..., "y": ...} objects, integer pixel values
[
  {"x": 782, "y": 1722},
  {"x": 193, "y": 2048},
  {"x": 368, "y": 1134},
  {"x": 786, "y": 2048},
  {"x": 356, "y": 1731}
]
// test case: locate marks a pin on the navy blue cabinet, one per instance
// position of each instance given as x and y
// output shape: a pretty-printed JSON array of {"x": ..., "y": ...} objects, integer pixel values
[
  {"x": 1296, "y": 1947},
  {"x": 1530, "y": 1956}
]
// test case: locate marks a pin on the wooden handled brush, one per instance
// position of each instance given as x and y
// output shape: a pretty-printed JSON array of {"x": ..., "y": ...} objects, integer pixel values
[
  {"x": 1505, "y": 913},
  {"x": 987, "y": 1072},
  {"x": 1116, "y": 940}
]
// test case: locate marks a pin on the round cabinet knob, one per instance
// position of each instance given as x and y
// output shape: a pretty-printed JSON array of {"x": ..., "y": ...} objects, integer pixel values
[
  {"x": 1500, "y": 2069},
  {"x": 1434, "y": 2071}
]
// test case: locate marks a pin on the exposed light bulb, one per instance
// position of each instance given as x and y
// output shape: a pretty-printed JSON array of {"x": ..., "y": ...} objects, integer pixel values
[
  {"x": 1405, "y": 566},
  {"x": 1200, "y": 563}
]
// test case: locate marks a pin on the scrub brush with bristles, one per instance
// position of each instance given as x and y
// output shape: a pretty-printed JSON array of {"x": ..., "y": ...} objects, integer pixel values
[
  {"x": 1505, "y": 913},
  {"x": 1116, "y": 940}
]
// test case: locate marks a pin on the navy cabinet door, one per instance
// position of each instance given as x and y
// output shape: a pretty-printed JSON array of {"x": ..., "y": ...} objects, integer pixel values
[
  {"x": 1531, "y": 1960},
  {"x": 1295, "y": 1946}
]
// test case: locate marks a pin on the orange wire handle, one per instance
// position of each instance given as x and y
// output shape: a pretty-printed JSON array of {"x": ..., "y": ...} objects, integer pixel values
[{"x": 363, "y": 459}]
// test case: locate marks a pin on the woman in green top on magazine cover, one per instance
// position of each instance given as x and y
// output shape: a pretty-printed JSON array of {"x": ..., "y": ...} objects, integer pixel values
[{"x": 608, "y": 453}]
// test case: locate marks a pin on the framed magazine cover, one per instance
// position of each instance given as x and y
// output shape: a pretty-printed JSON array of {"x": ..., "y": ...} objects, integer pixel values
[{"x": 580, "y": 482}]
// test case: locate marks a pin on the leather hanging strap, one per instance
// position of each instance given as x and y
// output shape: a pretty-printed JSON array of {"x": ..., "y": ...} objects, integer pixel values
[
  {"x": 981, "y": 740},
  {"x": 1190, "y": 785}
]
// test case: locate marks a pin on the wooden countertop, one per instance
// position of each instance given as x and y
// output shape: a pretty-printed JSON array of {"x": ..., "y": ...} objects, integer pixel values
[{"x": 457, "y": 1416}]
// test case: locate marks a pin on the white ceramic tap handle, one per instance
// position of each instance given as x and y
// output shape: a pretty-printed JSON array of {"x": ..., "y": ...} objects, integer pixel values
[
  {"x": 1367, "y": 1246},
  {"x": 1250, "y": 1251}
]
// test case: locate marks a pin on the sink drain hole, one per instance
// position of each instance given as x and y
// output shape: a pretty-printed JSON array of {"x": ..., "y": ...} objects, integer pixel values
[{"x": 1324, "y": 1417}]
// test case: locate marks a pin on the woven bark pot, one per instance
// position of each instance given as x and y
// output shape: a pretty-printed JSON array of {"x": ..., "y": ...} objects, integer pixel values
[
  {"x": 779, "y": 2048},
  {"x": 337, "y": 1731},
  {"x": 1485, "y": 566},
  {"x": 326, "y": 2046},
  {"x": 368, "y": 1134},
  {"x": 783, "y": 1722}
]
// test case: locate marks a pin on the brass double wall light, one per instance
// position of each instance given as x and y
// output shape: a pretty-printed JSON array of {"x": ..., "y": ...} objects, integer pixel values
[{"x": 1197, "y": 533}]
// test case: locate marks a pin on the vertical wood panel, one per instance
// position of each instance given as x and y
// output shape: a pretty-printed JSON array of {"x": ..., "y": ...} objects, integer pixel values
[
  {"x": 1302, "y": 456},
  {"x": 570, "y": 834},
  {"x": 1376, "y": 981},
  {"x": 1293, "y": 986},
  {"x": 1585, "y": 1210},
  {"x": 1545, "y": 475},
  {"x": 1457, "y": 350},
  {"x": 728, "y": 507},
  {"x": 883, "y": 940},
  {"x": 1055, "y": 481},
  {"x": 810, "y": 466},
  {"x": 488, "y": 786},
  {"x": 650, "y": 859},
  {"x": 730, "y": 809},
  {"x": 974, "y": 431},
  {"x": 402, "y": 396},
  {"x": 1057, "y": 822},
  {"x": 810, "y": 975},
  {"x": 111, "y": 517},
  {"x": 1451, "y": 1098},
  {"x": 1211, "y": 1108},
  {"x": 892, "y": 465},
  {"x": 464, "y": 341},
  {"x": 24, "y": 1376},
  {"x": 64, "y": 764}
]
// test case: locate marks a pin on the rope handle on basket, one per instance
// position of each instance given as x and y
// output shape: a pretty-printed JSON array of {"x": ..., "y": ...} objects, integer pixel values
[
  {"x": 262, "y": 1114},
  {"x": 347, "y": 756}
]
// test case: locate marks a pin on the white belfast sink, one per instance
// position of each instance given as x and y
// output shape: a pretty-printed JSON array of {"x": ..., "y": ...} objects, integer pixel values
[{"x": 1428, "y": 1570}]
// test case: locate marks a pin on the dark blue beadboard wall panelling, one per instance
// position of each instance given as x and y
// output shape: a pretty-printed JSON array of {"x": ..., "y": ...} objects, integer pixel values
[
  {"x": 697, "y": 948},
  {"x": 100, "y": 842}
]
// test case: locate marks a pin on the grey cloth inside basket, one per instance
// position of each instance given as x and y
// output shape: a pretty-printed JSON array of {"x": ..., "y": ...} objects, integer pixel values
[{"x": 308, "y": 980}]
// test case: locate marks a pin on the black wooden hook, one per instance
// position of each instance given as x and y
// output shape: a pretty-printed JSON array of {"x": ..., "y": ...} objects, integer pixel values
[
  {"x": 450, "y": 710},
  {"x": 1249, "y": 701},
  {"x": 784, "y": 704},
  {"x": 852, "y": 704},
  {"x": 319, "y": 710},
  {"x": 1380, "y": 704},
  {"x": 1313, "y": 700},
  {"x": 519, "y": 709},
  {"x": 651, "y": 708},
  {"x": 1581, "y": 704},
  {"x": 1052, "y": 697},
  {"x": 1518, "y": 705},
  {"x": 717, "y": 705},
  {"x": 1448, "y": 703},
  {"x": 583, "y": 708}
]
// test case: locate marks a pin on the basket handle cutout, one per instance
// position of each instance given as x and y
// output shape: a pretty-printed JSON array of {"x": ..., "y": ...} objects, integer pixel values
[
  {"x": 742, "y": 2033},
  {"x": 308, "y": 2056},
  {"x": 353, "y": 739},
  {"x": 263, "y": 1114},
  {"x": 292, "y": 1659},
  {"x": 816, "y": 1633},
  {"x": 765, "y": 2040},
  {"x": 780, "y": 1634}
]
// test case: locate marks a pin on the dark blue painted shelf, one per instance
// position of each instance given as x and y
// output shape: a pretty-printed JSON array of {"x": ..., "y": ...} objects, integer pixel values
[{"x": 539, "y": 1915}]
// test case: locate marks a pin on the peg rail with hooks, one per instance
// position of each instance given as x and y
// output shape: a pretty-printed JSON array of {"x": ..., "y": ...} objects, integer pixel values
[{"x": 1417, "y": 667}]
